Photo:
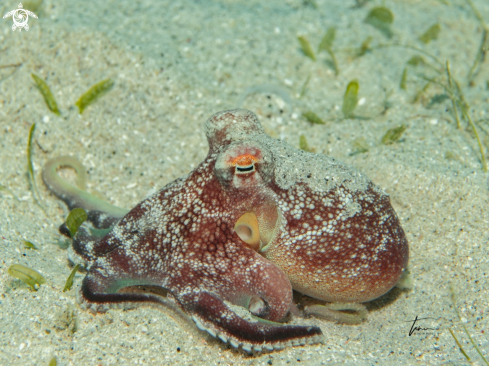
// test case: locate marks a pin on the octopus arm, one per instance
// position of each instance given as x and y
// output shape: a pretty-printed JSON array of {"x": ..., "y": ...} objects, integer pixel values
[
  {"x": 211, "y": 314},
  {"x": 207, "y": 309},
  {"x": 102, "y": 214}
]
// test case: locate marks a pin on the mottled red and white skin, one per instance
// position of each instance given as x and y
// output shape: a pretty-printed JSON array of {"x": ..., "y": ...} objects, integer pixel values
[{"x": 255, "y": 219}]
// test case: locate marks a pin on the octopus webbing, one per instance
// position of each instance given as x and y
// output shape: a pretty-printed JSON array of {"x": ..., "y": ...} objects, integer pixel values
[{"x": 255, "y": 220}]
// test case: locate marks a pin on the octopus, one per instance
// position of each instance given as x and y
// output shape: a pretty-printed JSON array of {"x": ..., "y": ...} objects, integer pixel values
[{"x": 230, "y": 241}]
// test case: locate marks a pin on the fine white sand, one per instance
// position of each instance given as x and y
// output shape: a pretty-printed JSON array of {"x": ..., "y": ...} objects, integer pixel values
[{"x": 174, "y": 64}]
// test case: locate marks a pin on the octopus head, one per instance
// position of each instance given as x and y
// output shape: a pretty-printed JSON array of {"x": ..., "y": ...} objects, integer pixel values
[{"x": 226, "y": 127}]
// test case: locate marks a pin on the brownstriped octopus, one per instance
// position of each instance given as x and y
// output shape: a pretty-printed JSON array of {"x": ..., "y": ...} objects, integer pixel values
[{"x": 256, "y": 219}]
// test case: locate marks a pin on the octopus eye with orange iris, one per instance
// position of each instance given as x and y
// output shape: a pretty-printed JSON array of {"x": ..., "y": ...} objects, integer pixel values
[{"x": 244, "y": 164}]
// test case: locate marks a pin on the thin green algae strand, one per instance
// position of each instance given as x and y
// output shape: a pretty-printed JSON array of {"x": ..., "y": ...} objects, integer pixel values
[
  {"x": 431, "y": 34},
  {"x": 30, "y": 167},
  {"x": 76, "y": 196},
  {"x": 327, "y": 45},
  {"x": 29, "y": 245},
  {"x": 303, "y": 145},
  {"x": 313, "y": 117},
  {"x": 33, "y": 278},
  {"x": 94, "y": 93},
  {"x": 403, "y": 82},
  {"x": 76, "y": 217},
  {"x": 306, "y": 47},
  {"x": 382, "y": 19},
  {"x": 69, "y": 280},
  {"x": 327, "y": 40},
  {"x": 46, "y": 93},
  {"x": 393, "y": 135},
  {"x": 350, "y": 99},
  {"x": 364, "y": 47}
]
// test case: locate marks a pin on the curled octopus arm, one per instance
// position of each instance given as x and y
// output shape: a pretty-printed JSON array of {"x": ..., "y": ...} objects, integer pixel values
[{"x": 102, "y": 214}]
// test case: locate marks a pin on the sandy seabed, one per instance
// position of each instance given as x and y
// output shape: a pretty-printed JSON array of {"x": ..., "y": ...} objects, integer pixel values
[{"x": 174, "y": 64}]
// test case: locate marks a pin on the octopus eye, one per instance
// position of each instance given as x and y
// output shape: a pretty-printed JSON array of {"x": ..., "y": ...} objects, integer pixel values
[
  {"x": 245, "y": 169},
  {"x": 244, "y": 164},
  {"x": 247, "y": 229}
]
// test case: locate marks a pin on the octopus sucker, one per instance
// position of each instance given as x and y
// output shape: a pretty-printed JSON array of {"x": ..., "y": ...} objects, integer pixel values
[{"x": 230, "y": 241}]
